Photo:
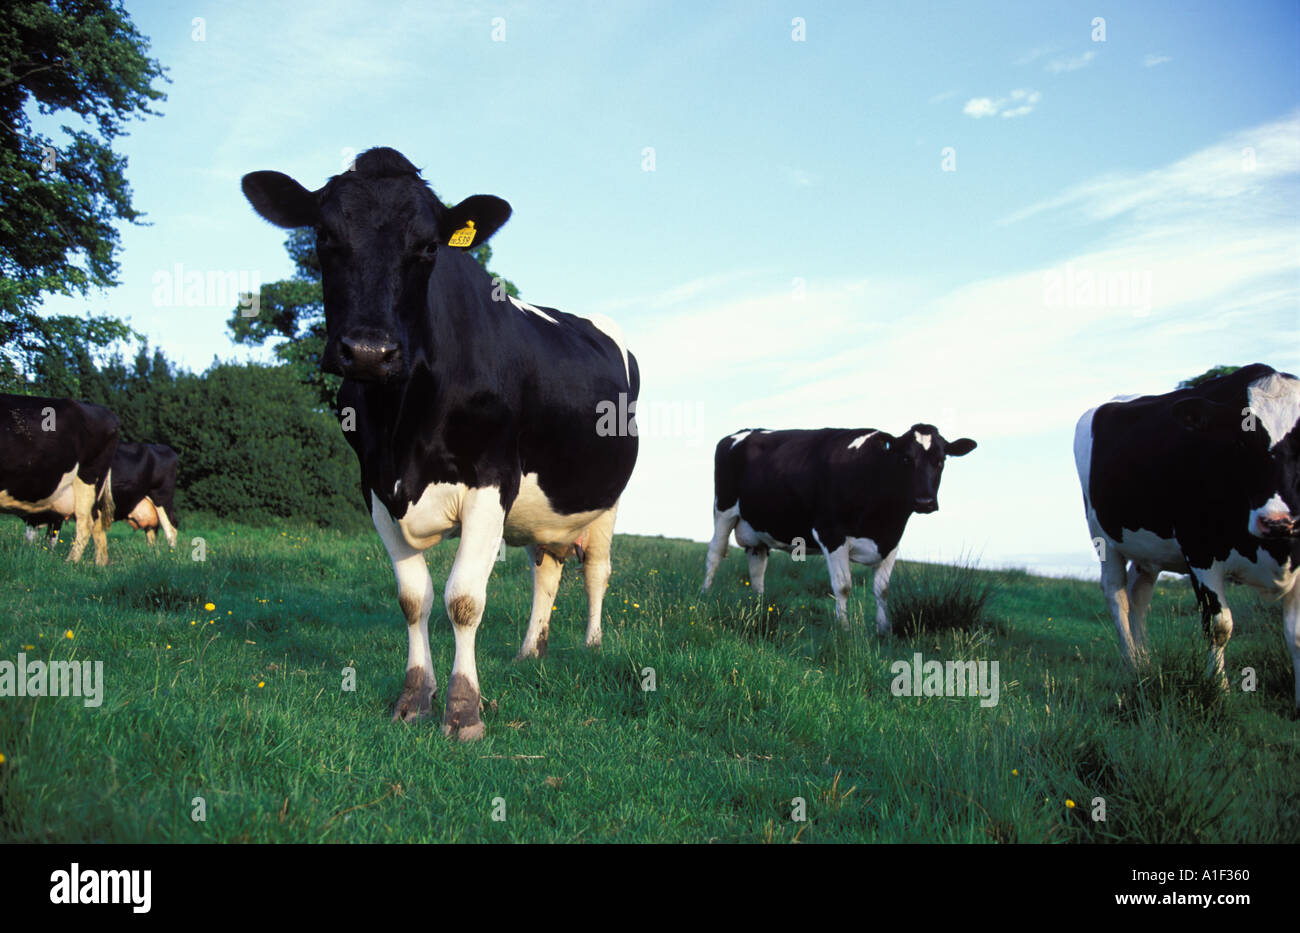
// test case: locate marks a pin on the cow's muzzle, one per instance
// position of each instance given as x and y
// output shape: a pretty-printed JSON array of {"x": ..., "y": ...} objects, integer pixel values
[
  {"x": 925, "y": 506},
  {"x": 365, "y": 359}
]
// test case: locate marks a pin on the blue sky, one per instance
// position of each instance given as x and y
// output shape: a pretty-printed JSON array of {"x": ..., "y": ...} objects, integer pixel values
[{"x": 1122, "y": 213}]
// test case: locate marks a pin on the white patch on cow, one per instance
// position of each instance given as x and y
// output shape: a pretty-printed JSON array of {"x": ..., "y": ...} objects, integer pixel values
[
  {"x": 864, "y": 551},
  {"x": 748, "y": 536},
  {"x": 1275, "y": 401},
  {"x": 525, "y": 306},
  {"x": 433, "y": 516},
  {"x": 922, "y": 439},
  {"x": 739, "y": 436},
  {"x": 859, "y": 441},
  {"x": 611, "y": 330},
  {"x": 1273, "y": 508},
  {"x": 61, "y": 500},
  {"x": 532, "y": 519},
  {"x": 1083, "y": 451}
]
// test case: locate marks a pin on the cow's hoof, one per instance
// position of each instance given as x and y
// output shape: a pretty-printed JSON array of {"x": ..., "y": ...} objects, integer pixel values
[
  {"x": 461, "y": 718},
  {"x": 537, "y": 650},
  {"x": 593, "y": 641},
  {"x": 416, "y": 701}
]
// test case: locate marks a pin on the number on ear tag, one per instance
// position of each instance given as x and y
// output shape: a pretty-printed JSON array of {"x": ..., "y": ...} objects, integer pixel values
[{"x": 464, "y": 236}]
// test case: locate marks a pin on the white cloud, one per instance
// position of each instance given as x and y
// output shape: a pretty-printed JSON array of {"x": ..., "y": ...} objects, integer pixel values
[
  {"x": 1034, "y": 54},
  {"x": 1152, "y": 59},
  {"x": 1016, "y": 104},
  {"x": 1062, "y": 65},
  {"x": 940, "y": 98}
]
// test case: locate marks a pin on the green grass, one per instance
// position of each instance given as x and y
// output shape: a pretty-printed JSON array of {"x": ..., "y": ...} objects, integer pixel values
[{"x": 755, "y": 705}]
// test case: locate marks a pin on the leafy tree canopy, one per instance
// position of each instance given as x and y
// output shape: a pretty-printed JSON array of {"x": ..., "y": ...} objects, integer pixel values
[
  {"x": 1212, "y": 373},
  {"x": 60, "y": 199}
]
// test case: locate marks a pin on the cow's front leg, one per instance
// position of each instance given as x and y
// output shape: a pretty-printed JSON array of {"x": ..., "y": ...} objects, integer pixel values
[
  {"x": 880, "y": 586},
  {"x": 169, "y": 530},
  {"x": 757, "y": 567},
  {"x": 482, "y": 522},
  {"x": 546, "y": 582},
  {"x": 596, "y": 568},
  {"x": 841, "y": 572},
  {"x": 1141, "y": 583},
  {"x": 1291, "y": 626},
  {"x": 1114, "y": 585},
  {"x": 415, "y": 596},
  {"x": 83, "y": 504},
  {"x": 1215, "y": 617}
]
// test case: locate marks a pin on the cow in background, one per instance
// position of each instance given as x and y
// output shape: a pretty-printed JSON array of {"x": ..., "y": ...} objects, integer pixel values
[
  {"x": 55, "y": 457},
  {"x": 849, "y": 491}
]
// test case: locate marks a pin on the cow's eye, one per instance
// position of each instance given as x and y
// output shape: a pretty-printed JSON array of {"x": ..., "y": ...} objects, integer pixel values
[
  {"x": 427, "y": 251},
  {"x": 907, "y": 459}
]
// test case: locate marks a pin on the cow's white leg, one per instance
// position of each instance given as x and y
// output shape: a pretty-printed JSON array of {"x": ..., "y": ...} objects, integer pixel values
[
  {"x": 841, "y": 571},
  {"x": 546, "y": 581},
  {"x": 415, "y": 596},
  {"x": 880, "y": 586},
  {"x": 83, "y": 503},
  {"x": 1291, "y": 626},
  {"x": 723, "y": 523},
  {"x": 757, "y": 567},
  {"x": 1215, "y": 617},
  {"x": 1140, "y": 585},
  {"x": 169, "y": 530},
  {"x": 31, "y": 533},
  {"x": 1114, "y": 584},
  {"x": 151, "y": 536},
  {"x": 596, "y": 568},
  {"x": 482, "y": 521}
]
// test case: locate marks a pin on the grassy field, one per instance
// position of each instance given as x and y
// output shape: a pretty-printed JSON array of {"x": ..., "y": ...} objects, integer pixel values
[{"x": 754, "y": 706}]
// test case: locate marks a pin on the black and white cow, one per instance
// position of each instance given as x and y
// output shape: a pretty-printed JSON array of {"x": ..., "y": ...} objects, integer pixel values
[
  {"x": 474, "y": 415},
  {"x": 849, "y": 492},
  {"x": 55, "y": 456},
  {"x": 143, "y": 487},
  {"x": 1203, "y": 481}
]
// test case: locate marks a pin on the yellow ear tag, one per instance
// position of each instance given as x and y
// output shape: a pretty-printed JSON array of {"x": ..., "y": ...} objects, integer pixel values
[{"x": 464, "y": 236}]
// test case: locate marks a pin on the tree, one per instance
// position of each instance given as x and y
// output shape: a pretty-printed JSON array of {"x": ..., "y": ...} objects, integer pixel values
[
  {"x": 294, "y": 309},
  {"x": 60, "y": 199},
  {"x": 1212, "y": 373}
]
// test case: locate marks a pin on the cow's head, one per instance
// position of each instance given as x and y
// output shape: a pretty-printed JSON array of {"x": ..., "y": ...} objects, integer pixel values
[
  {"x": 379, "y": 231},
  {"x": 918, "y": 457},
  {"x": 1263, "y": 441}
]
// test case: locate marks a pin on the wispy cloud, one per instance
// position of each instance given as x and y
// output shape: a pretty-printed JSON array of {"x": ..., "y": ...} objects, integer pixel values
[
  {"x": 940, "y": 98},
  {"x": 1153, "y": 58},
  {"x": 1016, "y": 104},
  {"x": 1033, "y": 55},
  {"x": 1222, "y": 175},
  {"x": 1062, "y": 65}
]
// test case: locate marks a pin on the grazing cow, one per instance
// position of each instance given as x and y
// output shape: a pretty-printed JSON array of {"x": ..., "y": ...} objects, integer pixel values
[
  {"x": 143, "y": 486},
  {"x": 849, "y": 491},
  {"x": 470, "y": 414},
  {"x": 55, "y": 456},
  {"x": 1203, "y": 481}
]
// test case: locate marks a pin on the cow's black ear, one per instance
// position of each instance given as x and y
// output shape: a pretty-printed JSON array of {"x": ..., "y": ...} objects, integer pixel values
[
  {"x": 473, "y": 221},
  {"x": 1200, "y": 414},
  {"x": 960, "y": 447},
  {"x": 281, "y": 200}
]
